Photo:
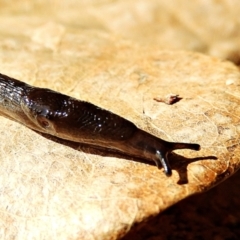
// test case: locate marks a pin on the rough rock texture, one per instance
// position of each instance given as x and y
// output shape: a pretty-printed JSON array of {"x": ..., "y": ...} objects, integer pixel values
[{"x": 119, "y": 55}]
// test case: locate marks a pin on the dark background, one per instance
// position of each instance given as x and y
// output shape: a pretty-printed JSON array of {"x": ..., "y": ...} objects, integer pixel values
[{"x": 211, "y": 215}]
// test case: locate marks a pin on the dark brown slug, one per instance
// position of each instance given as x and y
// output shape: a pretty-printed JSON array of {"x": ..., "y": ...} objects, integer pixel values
[{"x": 54, "y": 113}]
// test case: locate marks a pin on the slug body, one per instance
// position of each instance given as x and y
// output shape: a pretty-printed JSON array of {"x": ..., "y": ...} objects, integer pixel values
[{"x": 54, "y": 113}]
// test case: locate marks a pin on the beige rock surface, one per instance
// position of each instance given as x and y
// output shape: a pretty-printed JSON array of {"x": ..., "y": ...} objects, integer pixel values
[{"x": 114, "y": 55}]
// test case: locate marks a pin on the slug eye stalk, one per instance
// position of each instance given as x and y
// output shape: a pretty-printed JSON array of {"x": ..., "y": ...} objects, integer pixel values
[{"x": 161, "y": 159}]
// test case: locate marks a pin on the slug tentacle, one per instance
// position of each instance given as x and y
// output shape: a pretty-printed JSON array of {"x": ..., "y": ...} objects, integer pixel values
[
  {"x": 152, "y": 148},
  {"x": 163, "y": 160},
  {"x": 65, "y": 117}
]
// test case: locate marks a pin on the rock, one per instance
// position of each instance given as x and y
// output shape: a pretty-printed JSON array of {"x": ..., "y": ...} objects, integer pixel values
[{"x": 51, "y": 188}]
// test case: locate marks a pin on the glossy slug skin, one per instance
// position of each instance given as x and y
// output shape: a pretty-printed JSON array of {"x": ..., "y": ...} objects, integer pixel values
[{"x": 54, "y": 113}]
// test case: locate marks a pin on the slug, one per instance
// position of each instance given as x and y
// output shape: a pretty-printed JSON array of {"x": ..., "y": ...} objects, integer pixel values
[{"x": 65, "y": 117}]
